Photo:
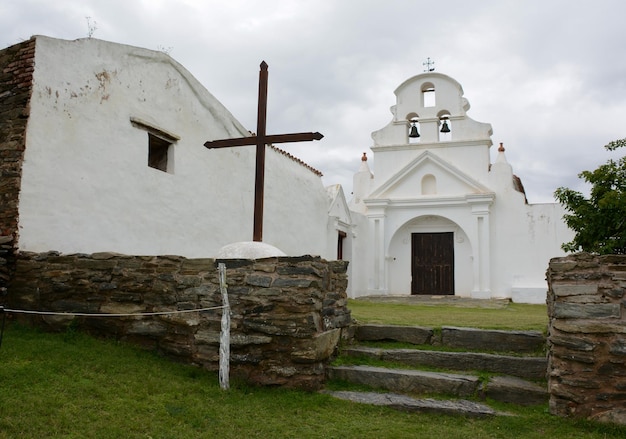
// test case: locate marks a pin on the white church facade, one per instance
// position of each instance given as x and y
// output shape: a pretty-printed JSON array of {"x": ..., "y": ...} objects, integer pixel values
[
  {"x": 111, "y": 159},
  {"x": 438, "y": 217}
]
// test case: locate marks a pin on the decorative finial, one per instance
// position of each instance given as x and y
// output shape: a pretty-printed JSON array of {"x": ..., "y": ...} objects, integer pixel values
[
  {"x": 501, "y": 149},
  {"x": 429, "y": 65},
  {"x": 364, "y": 158}
]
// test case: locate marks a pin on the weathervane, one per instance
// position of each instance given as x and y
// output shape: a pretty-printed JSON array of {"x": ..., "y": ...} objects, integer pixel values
[{"x": 429, "y": 65}]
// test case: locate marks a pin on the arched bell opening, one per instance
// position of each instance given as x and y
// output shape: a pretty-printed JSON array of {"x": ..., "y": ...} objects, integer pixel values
[
  {"x": 413, "y": 130},
  {"x": 445, "y": 126}
]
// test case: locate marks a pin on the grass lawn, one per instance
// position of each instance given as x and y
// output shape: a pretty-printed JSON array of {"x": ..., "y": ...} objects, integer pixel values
[
  {"x": 73, "y": 386},
  {"x": 515, "y": 316}
]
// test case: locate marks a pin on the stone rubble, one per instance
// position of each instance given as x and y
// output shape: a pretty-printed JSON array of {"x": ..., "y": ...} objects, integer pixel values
[{"x": 587, "y": 337}]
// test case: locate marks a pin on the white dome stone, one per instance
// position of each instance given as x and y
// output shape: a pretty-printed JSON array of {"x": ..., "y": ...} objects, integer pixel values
[{"x": 248, "y": 250}]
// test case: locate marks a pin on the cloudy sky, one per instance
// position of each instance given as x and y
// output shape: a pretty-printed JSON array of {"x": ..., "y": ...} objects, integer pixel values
[{"x": 549, "y": 75}]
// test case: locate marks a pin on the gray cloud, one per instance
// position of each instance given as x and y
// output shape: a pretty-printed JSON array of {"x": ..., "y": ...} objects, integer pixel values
[{"x": 550, "y": 76}]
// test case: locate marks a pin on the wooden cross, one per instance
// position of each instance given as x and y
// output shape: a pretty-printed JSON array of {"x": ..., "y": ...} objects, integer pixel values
[{"x": 260, "y": 140}]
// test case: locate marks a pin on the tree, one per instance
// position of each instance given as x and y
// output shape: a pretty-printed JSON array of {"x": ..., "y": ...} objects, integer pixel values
[{"x": 599, "y": 222}]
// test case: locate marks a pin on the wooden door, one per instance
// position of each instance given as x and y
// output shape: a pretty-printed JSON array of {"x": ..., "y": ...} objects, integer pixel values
[
  {"x": 432, "y": 263},
  {"x": 340, "y": 238}
]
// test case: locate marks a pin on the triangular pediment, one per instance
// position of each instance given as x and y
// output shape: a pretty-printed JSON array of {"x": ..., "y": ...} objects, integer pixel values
[
  {"x": 338, "y": 206},
  {"x": 428, "y": 176}
]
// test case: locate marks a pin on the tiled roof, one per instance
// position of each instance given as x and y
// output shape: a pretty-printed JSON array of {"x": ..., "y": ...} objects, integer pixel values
[
  {"x": 519, "y": 187},
  {"x": 297, "y": 160}
]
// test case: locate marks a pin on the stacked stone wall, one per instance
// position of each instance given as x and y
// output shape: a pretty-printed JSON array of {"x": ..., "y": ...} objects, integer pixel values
[
  {"x": 16, "y": 74},
  {"x": 587, "y": 337},
  {"x": 287, "y": 314}
]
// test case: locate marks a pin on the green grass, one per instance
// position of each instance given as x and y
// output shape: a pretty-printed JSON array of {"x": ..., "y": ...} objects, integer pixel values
[
  {"x": 74, "y": 386},
  {"x": 515, "y": 316}
]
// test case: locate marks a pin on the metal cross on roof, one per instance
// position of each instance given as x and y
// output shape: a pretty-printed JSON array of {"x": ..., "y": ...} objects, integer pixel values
[
  {"x": 429, "y": 65},
  {"x": 261, "y": 139}
]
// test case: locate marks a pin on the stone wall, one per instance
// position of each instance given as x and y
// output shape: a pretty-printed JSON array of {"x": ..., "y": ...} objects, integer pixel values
[
  {"x": 587, "y": 337},
  {"x": 287, "y": 312},
  {"x": 16, "y": 73}
]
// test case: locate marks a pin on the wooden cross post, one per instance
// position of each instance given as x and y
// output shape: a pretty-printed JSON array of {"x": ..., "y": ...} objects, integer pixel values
[{"x": 260, "y": 140}]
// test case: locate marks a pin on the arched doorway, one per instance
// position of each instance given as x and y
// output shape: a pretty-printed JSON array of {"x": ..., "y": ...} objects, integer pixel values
[{"x": 446, "y": 251}]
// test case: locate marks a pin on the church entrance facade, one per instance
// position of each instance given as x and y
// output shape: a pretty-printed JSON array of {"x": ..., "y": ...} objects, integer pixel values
[
  {"x": 427, "y": 255},
  {"x": 432, "y": 263}
]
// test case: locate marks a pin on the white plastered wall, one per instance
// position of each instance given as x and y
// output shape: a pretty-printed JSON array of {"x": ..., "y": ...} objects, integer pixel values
[{"x": 86, "y": 185}]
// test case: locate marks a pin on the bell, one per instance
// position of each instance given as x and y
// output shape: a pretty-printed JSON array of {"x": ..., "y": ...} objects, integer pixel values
[
  {"x": 445, "y": 128},
  {"x": 413, "y": 133}
]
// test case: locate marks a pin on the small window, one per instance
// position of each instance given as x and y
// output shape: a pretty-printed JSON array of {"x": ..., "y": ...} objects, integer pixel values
[
  {"x": 160, "y": 145},
  {"x": 158, "y": 152}
]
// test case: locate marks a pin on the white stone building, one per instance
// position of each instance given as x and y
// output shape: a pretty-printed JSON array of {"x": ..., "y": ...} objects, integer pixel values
[
  {"x": 438, "y": 217},
  {"x": 114, "y": 160}
]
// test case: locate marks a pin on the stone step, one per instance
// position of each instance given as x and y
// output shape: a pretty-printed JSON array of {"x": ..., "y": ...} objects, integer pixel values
[
  {"x": 403, "y": 334},
  {"x": 522, "y": 367},
  {"x": 406, "y": 403},
  {"x": 408, "y": 381},
  {"x": 493, "y": 340},
  {"x": 515, "y": 390},
  {"x": 505, "y": 389},
  {"x": 464, "y": 338}
]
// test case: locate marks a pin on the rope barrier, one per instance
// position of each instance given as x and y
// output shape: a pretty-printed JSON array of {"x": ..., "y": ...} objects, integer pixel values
[
  {"x": 4, "y": 317},
  {"x": 224, "y": 335},
  {"x": 4, "y": 312},
  {"x": 86, "y": 314}
]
